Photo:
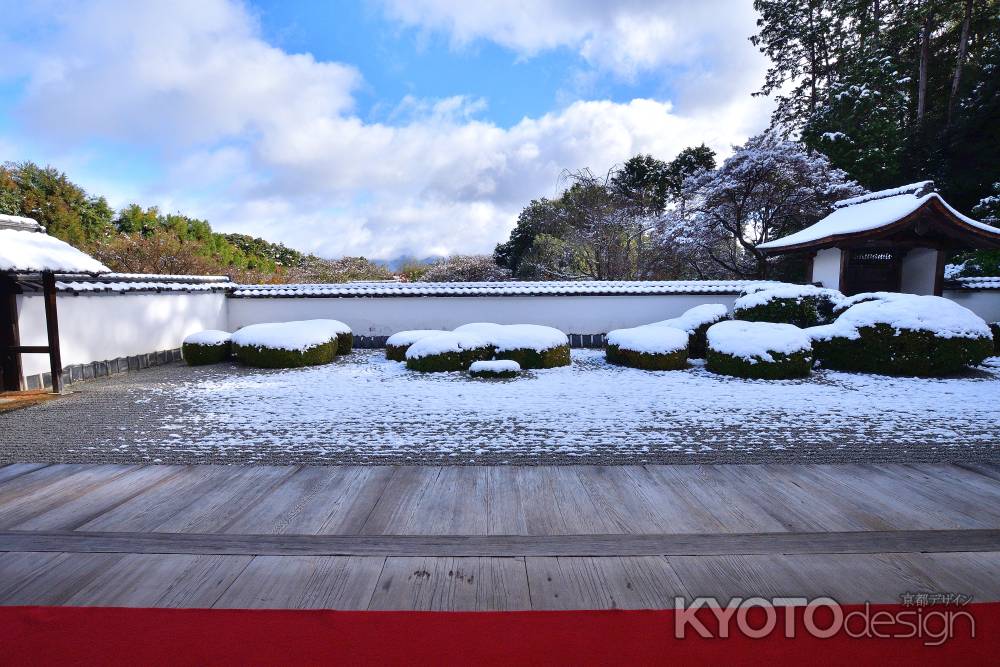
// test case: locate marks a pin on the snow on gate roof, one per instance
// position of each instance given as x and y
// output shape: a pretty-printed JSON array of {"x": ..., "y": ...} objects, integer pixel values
[
  {"x": 578, "y": 287},
  {"x": 877, "y": 210},
  {"x": 25, "y": 248}
]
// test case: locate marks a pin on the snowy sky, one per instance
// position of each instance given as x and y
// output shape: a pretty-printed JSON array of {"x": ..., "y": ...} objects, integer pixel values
[{"x": 382, "y": 128}]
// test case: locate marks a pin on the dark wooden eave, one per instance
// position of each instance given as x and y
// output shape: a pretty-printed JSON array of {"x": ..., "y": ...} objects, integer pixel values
[{"x": 931, "y": 225}]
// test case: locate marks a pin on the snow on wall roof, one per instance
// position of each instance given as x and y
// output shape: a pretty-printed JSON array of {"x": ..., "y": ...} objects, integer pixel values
[
  {"x": 583, "y": 287},
  {"x": 867, "y": 215},
  {"x": 143, "y": 282},
  {"x": 23, "y": 251},
  {"x": 984, "y": 282}
]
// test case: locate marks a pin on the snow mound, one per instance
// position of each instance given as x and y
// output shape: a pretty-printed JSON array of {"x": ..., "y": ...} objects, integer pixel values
[
  {"x": 444, "y": 342},
  {"x": 695, "y": 317},
  {"x": 498, "y": 366},
  {"x": 649, "y": 339},
  {"x": 407, "y": 338},
  {"x": 296, "y": 336},
  {"x": 942, "y": 317},
  {"x": 797, "y": 292},
  {"x": 757, "y": 340},
  {"x": 208, "y": 337},
  {"x": 506, "y": 337}
]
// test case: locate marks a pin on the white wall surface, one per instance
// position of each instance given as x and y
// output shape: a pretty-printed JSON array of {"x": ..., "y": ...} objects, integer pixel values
[
  {"x": 826, "y": 268},
  {"x": 919, "y": 271},
  {"x": 386, "y": 315},
  {"x": 985, "y": 303},
  {"x": 108, "y": 326}
]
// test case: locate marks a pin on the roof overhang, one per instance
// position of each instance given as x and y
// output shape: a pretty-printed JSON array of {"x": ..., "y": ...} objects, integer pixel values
[{"x": 932, "y": 224}]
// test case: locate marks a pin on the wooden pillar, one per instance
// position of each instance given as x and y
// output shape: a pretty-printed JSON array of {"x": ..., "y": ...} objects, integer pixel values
[
  {"x": 10, "y": 338},
  {"x": 52, "y": 328}
]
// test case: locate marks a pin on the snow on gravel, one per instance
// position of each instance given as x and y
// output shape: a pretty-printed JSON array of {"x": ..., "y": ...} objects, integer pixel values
[{"x": 366, "y": 409}]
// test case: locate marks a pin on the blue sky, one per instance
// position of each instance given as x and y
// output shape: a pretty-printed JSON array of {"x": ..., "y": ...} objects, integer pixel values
[{"x": 383, "y": 127}]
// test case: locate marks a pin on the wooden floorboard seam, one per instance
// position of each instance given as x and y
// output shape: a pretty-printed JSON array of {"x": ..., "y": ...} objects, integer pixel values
[{"x": 902, "y": 541}]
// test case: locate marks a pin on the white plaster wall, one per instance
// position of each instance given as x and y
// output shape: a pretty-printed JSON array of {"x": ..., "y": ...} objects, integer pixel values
[
  {"x": 826, "y": 268},
  {"x": 985, "y": 303},
  {"x": 386, "y": 315},
  {"x": 108, "y": 326},
  {"x": 919, "y": 271}
]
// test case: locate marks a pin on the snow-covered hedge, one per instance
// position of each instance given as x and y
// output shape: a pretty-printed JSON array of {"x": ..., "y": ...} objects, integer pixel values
[
  {"x": 849, "y": 301},
  {"x": 904, "y": 335},
  {"x": 447, "y": 351},
  {"x": 206, "y": 347},
  {"x": 696, "y": 322},
  {"x": 501, "y": 368},
  {"x": 801, "y": 305},
  {"x": 288, "y": 344},
  {"x": 650, "y": 347},
  {"x": 764, "y": 350},
  {"x": 530, "y": 345},
  {"x": 397, "y": 344},
  {"x": 995, "y": 328}
]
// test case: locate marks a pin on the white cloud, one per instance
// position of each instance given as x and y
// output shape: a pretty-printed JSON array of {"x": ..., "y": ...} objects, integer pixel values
[{"x": 265, "y": 142}]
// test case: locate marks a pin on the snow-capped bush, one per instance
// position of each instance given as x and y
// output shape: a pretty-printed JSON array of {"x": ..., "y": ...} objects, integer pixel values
[
  {"x": 765, "y": 350},
  {"x": 696, "y": 321},
  {"x": 448, "y": 351},
  {"x": 848, "y": 301},
  {"x": 995, "y": 328},
  {"x": 288, "y": 344},
  {"x": 531, "y": 345},
  {"x": 650, "y": 347},
  {"x": 500, "y": 368},
  {"x": 206, "y": 347},
  {"x": 905, "y": 335},
  {"x": 397, "y": 343},
  {"x": 801, "y": 305}
]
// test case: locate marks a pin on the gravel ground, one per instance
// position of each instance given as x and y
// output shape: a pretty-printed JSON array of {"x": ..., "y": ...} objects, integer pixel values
[{"x": 364, "y": 409}]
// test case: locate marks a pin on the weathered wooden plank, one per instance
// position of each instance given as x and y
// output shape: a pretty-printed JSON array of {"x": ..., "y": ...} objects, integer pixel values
[
  {"x": 96, "y": 501},
  {"x": 304, "y": 582},
  {"x": 17, "y": 568},
  {"x": 50, "y": 475},
  {"x": 642, "y": 582},
  {"x": 71, "y": 488},
  {"x": 442, "y": 500},
  {"x": 12, "y": 470},
  {"x": 504, "y": 545},
  {"x": 161, "y": 580},
  {"x": 59, "y": 579},
  {"x": 452, "y": 584}
]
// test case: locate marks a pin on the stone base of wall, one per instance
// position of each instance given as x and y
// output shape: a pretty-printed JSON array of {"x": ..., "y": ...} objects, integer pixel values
[
  {"x": 98, "y": 369},
  {"x": 575, "y": 340}
]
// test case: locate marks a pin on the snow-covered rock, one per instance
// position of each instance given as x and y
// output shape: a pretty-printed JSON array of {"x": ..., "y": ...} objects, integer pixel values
[
  {"x": 295, "y": 336},
  {"x": 498, "y": 368},
  {"x": 208, "y": 337},
  {"x": 756, "y": 341}
]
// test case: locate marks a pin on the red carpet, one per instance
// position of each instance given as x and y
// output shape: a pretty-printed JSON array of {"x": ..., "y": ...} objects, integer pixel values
[{"x": 119, "y": 636}]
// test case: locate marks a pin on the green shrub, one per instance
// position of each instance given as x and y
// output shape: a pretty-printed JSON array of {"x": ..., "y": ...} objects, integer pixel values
[
  {"x": 450, "y": 361},
  {"x": 646, "y": 360},
  {"x": 196, "y": 354},
  {"x": 697, "y": 342},
  {"x": 269, "y": 357},
  {"x": 804, "y": 311},
  {"x": 345, "y": 343},
  {"x": 995, "y": 328},
  {"x": 492, "y": 374},
  {"x": 783, "y": 366},
  {"x": 531, "y": 358},
  {"x": 883, "y": 349},
  {"x": 396, "y": 352}
]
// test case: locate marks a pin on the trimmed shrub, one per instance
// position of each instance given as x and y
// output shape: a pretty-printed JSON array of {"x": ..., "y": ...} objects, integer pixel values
[
  {"x": 197, "y": 354},
  {"x": 650, "y": 361},
  {"x": 800, "y": 305},
  {"x": 995, "y": 328},
  {"x": 397, "y": 344},
  {"x": 696, "y": 321},
  {"x": 888, "y": 351},
  {"x": 531, "y": 358},
  {"x": 206, "y": 347},
  {"x": 273, "y": 357},
  {"x": 759, "y": 350},
  {"x": 447, "y": 351},
  {"x": 345, "y": 342},
  {"x": 780, "y": 367},
  {"x": 494, "y": 370}
]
